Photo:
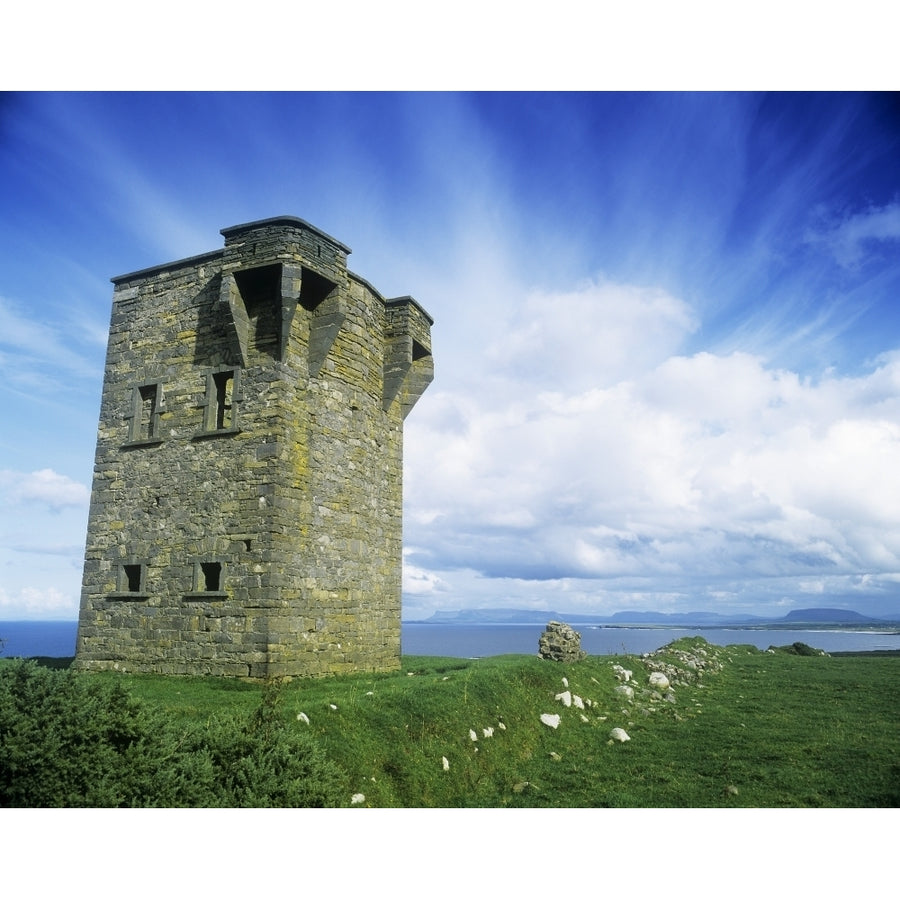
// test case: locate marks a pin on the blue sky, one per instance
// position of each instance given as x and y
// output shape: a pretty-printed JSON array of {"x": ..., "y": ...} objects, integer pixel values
[{"x": 667, "y": 327}]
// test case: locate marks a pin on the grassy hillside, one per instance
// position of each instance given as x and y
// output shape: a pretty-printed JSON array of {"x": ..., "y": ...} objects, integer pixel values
[{"x": 738, "y": 727}]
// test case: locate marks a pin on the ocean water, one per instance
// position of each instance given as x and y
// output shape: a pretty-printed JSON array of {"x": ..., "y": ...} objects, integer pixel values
[
  {"x": 469, "y": 641},
  {"x": 492, "y": 640}
]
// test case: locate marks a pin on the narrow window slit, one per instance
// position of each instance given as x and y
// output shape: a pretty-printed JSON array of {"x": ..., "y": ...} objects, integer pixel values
[{"x": 224, "y": 382}]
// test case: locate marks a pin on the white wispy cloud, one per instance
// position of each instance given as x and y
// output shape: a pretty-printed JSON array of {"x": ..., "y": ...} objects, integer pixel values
[
  {"x": 37, "y": 352},
  {"x": 855, "y": 237}
]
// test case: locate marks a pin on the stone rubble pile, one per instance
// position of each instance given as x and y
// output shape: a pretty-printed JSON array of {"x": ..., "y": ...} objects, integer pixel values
[
  {"x": 560, "y": 642},
  {"x": 691, "y": 664}
]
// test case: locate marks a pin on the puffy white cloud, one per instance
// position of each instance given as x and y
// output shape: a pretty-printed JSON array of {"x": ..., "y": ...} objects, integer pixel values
[
  {"x": 592, "y": 337},
  {"x": 37, "y": 603},
  {"x": 44, "y": 487},
  {"x": 585, "y": 452}
]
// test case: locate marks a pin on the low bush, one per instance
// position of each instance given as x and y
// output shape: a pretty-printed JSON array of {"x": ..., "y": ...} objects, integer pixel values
[{"x": 69, "y": 740}]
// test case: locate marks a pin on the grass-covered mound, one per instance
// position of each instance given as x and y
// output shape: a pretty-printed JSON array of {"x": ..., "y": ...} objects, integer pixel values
[{"x": 719, "y": 726}]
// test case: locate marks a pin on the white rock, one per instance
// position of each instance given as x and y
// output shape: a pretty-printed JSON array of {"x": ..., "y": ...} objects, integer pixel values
[
  {"x": 619, "y": 734},
  {"x": 472, "y": 734},
  {"x": 501, "y": 726},
  {"x": 358, "y": 798},
  {"x": 565, "y": 682},
  {"x": 303, "y": 717},
  {"x": 566, "y": 697},
  {"x": 577, "y": 701},
  {"x": 487, "y": 732},
  {"x": 332, "y": 706},
  {"x": 445, "y": 763},
  {"x": 626, "y": 691},
  {"x": 550, "y": 719},
  {"x": 621, "y": 674},
  {"x": 659, "y": 681}
]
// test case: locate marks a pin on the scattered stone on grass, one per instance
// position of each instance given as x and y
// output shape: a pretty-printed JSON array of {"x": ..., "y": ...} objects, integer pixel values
[
  {"x": 620, "y": 735},
  {"x": 565, "y": 697},
  {"x": 550, "y": 719}
]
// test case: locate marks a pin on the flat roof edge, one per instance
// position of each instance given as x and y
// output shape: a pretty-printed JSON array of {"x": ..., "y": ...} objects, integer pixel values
[
  {"x": 397, "y": 301},
  {"x": 175, "y": 264},
  {"x": 233, "y": 230}
]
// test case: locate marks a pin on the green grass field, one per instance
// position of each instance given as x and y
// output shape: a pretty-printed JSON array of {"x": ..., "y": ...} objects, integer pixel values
[{"x": 746, "y": 729}]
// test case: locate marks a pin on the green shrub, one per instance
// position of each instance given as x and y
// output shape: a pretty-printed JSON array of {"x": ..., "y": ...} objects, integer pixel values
[
  {"x": 68, "y": 739},
  {"x": 798, "y": 648}
]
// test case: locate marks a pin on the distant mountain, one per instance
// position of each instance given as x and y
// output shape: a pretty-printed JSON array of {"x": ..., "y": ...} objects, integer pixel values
[
  {"x": 829, "y": 616},
  {"x": 818, "y": 616},
  {"x": 633, "y": 617}
]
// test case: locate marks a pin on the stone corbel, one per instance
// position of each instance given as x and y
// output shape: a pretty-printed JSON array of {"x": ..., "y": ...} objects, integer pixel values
[
  {"x": 291, "y": 286},
  {"x": 325, "y": 323},
  {"x": 230, "y": 297}
]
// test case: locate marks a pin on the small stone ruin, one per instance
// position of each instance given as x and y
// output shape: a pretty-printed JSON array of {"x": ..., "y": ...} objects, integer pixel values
[{"x": 560, "y": 642}]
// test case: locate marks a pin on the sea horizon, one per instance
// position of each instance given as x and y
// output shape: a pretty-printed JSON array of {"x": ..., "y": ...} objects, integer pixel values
[{"x": 56, "y": 638}]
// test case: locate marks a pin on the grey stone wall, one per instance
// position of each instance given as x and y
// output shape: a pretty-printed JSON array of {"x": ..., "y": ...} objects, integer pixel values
[{"x": 246, "y": 507}]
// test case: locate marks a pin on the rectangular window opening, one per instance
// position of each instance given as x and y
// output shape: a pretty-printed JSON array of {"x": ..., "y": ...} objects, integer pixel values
[
  {"x": 131, "y": 580},
  {"x": 210, "y": 576}
]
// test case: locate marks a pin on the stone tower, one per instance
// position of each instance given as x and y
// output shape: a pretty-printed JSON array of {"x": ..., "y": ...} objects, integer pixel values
[{"x": 246, "y": 506}]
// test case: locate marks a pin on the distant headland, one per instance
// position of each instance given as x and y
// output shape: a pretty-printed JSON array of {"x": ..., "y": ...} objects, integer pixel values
[{"x": 634, "y": 618}]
